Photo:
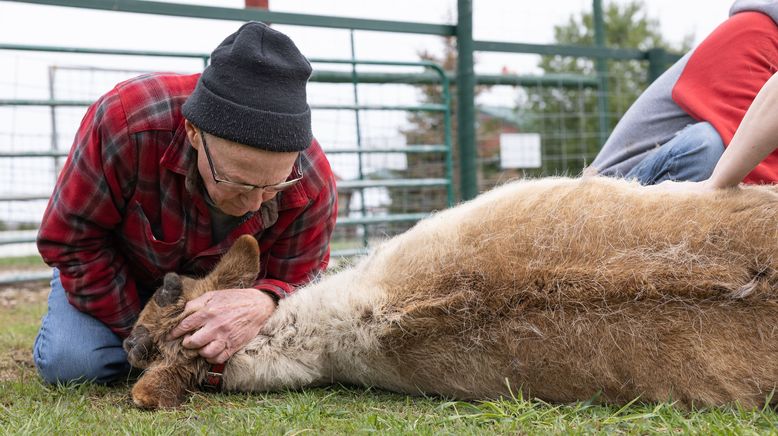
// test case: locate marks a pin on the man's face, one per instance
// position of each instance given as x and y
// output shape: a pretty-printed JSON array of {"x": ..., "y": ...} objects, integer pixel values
[{"x": 239, "y": 164}]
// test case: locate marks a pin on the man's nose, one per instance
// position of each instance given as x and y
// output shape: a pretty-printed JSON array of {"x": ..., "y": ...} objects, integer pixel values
[{"x": 251, "y": 201}]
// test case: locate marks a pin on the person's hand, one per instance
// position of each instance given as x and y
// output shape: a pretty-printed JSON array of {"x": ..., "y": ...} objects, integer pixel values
[{"x": 219, "y": 323}]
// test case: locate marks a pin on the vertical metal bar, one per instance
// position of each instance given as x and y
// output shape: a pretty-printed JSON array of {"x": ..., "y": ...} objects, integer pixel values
[
  {"x": 582, "y": 139},
  {"x": 545, "y": 141},
  {"x": 602, "y": 71},
  {"x": 562, "y": 135},
  {"x": 466, "y": 101},
  {"x": 360, "y": 168},
  {"x": 53, "y": 111},
  {"x": 657, "y": 63},
  {"x": 444, "y": 82}
]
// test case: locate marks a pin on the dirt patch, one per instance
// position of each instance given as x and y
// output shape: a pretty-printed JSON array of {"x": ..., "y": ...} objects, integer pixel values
[
  {"x": 23, "y": 293},
  {"x": 15, "y": 363},
  {"x": 21, "y": 305}
]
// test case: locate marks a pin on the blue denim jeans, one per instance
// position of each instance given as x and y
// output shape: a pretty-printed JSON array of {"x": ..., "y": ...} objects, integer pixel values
[
  {"x": 73, "y": 346},
  {"x": 690, "y": 156}
]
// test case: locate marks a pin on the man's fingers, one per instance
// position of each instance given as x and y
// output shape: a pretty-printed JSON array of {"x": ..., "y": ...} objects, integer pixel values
[
  {"x": 188, "y": 324},
  {"x": 213, "y": 349},
  {"x": 200, "y": 339},
  {"x": 221, "y": 358},
  {"x": 197, "y": 304}
]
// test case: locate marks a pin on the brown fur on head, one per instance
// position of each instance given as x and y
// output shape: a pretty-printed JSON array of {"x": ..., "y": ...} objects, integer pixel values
[{"x": 171, "y": 370}]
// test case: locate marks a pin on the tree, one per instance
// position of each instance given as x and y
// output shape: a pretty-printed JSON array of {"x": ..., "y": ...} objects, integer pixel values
[
  {"x": 567, "y": 119},
  {"x": 428, "y": 128}
]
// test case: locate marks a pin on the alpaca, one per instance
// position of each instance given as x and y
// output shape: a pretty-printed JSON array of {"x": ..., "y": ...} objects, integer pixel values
[{"x": 562, "y": 288}]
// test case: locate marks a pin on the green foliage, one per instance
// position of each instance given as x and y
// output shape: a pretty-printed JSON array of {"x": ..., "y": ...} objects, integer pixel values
[{"x": 568, "y": 118}]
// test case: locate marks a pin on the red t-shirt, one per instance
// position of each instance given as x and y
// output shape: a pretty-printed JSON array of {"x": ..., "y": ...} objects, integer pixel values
[{"x": 725, "y": 73}]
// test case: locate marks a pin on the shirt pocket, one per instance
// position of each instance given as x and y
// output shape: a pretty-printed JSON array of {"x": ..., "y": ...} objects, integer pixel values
[{"x": 153, "y": 255}]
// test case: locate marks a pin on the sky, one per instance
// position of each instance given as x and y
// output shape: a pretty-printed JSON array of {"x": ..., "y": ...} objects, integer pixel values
[
  {"x": 497, "y": 20},
  {"x": 517, "y": 21},
  {"x": 25, "y": 74}
]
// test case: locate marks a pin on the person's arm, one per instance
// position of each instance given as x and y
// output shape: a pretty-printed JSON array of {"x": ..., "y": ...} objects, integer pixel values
[
  {"x": 224, "y": 321},
  {"x": 76, "y": 231},
  {"x": 754, "y": 140}
]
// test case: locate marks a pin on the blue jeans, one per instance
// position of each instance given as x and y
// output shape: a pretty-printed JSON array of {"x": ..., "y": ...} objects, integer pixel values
[
  {"x": 690, "y": 156},
  {"x": 73, "y": 346}
]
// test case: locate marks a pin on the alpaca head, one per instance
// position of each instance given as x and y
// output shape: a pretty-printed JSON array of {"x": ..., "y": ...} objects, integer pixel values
[
  {"x": 147, "y": 345},
  {"x": 237, "y": 269}
]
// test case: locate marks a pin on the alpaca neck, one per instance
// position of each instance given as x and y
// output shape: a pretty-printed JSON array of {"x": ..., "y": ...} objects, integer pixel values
[{"x": 318, "y": 335}]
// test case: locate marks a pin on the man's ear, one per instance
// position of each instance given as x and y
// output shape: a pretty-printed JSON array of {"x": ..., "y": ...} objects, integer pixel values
[
  {"x": 239, "y": 267},
  {"x": 191, "y": 133}
]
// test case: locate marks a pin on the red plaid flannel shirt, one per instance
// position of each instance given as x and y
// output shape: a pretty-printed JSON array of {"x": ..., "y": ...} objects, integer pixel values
[{"x": 123, "y": 211}]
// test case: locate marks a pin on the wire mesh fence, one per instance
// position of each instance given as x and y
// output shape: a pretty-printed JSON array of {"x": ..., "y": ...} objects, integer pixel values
[
  {"x": 360, "y": 126},
  {"x": 378, "y": 148},
  {"x": 550, "y": 130}
]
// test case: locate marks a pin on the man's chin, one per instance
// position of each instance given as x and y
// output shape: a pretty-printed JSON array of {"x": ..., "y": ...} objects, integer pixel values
[
  {"x": 236, "y": 214},
  {"x": 233, "y": 212}
]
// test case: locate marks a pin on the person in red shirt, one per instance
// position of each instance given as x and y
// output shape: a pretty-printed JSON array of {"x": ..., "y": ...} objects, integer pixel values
[
  {"x": 755, "y": 140},
  {"x": 165, "y": 173},
  {"x": 679, "y": 127}
]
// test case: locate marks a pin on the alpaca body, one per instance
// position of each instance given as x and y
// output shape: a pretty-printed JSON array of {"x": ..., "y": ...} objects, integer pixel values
[{"x": 562, "y": 288}]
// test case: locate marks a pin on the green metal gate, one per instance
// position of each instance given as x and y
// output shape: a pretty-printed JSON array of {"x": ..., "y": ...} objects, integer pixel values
[{"x": 356, "y": 229}]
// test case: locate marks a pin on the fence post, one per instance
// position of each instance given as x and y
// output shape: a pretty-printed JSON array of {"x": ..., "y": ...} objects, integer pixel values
[
  {"x": 468, "y": 178},
  {"x": 53, "y": 111},
  {"x": 657, "y": 63},
  {"x": 602, "y": 72},
  {"x": 360, "y": 155}
]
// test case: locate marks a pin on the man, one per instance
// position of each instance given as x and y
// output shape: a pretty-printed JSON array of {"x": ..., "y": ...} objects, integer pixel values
[
  {"x": 165, "y": 173},
  {"x": 678, "y": 128}
]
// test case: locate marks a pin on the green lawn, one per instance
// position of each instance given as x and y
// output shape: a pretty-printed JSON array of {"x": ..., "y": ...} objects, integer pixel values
[{"x": 29, "y": 407}]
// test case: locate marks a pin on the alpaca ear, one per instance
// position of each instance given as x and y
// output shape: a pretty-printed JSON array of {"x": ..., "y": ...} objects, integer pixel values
[
  {"x": 170, "y": 291},
  {"x": 239, "y": 267}
]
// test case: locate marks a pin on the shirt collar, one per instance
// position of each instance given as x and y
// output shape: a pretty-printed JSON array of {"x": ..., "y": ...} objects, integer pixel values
[{"x": 179, "y": 157}]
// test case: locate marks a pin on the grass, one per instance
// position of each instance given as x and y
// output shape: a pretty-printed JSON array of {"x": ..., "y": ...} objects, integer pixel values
[
  {"x": 22, "y": 261},
  {"x": 29, "y": 407}
]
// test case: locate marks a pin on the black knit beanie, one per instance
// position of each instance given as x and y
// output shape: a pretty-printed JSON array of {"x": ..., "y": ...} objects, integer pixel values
[{"x": 253, "y": 91}]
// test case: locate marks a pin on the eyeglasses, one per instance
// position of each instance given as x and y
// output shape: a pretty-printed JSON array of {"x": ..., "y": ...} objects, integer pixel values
[{"x": 245, "y": 187}]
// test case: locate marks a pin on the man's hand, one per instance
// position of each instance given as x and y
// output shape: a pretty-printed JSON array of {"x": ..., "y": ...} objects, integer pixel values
[{"x": 219, "y": 323}]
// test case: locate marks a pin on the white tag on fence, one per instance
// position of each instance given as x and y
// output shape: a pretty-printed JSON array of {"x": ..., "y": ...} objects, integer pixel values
[{"x": 520, "y": 150}]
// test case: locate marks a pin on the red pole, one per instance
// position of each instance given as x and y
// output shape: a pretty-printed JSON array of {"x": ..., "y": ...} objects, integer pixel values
[
  {"x": 258, "y": 4},
  {"x": 261, "y": 4}
]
